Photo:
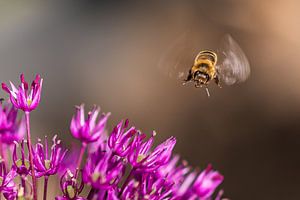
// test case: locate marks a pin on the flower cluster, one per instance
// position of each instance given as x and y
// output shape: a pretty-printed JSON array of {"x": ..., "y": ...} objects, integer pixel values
[
  {"x": 11, "y": 129},
  {"x": 122, "y": 165}
]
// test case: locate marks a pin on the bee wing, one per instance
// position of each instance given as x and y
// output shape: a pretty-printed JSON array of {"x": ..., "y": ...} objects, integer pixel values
[
  {"x": 234, "y": 66},
  {"x": 178, "y": 58}
]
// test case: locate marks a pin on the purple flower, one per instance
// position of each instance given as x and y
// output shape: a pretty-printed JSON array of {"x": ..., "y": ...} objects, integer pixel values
[
  {"x": 68, "y": 162},
  {"x": 7, "y": 185},
  {"x": 110, "y": 194},
  {"x": 173, "y": 174},
  {"x": 220, "y": 195},
  {"x": 66, "y": 198},
  {"x": 206, "y": 183},
  {"x": 103, "y": 170},
  {"x": 88, "y": 130},
  {"x": 186, "y": 184},
  {"x": 120, "y": 141},
  {"x": 202, "y": 187},
  {"x": 23, "y": 99},
  {"x": 184, "y": 190},
  {"x": 148, "y": 187},
  {"x": 22, "y": 164},
  {"x": 131, "y": 190},
  {"x": 10, "y": 128},
  {"x": 70, "y": 187},
  {"x": 44, "y": 164},
  {"x": 153, "y": 188},
  {"x": 100, "y": 143},
  {"x": 141, "y": 157},
  {"x": 10, "y": 195}
]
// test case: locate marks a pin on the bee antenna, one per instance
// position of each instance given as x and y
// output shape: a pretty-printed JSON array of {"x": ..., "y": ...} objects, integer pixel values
[{"x": 207, "y": 92}]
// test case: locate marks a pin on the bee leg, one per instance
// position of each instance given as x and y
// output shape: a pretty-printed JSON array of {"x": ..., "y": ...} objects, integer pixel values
[
  {"x": 188, "y": 78},
  {"x": 217, "y": 81},
  {"x": 207, "y": 91},
  {"x": 198, "y": 84}
]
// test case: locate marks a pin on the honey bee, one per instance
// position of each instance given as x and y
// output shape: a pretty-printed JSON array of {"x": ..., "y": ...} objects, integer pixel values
[{"x": 232, "y": 68}]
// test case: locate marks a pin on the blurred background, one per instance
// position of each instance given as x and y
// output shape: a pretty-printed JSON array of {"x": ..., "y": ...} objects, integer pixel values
[{"x": 101, "y": 53}]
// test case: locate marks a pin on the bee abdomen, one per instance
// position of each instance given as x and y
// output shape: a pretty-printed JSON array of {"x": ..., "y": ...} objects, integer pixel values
[{"x": 206, "y": 54}]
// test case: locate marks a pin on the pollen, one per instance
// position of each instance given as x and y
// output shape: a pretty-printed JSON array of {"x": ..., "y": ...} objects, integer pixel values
[
  {"x": 29, "y": 102},
  {"x": 19, "y": 163},
  {"x": 140, "y": 158},
  {"x": 96, "y": 176},
  {"x": 47, "y": 164},
  {"x": 71, "y": 191}
]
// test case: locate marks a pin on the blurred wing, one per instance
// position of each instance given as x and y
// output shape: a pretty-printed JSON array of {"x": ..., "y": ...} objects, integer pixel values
[
  {"x": 234, "y": 66},
  {"x": 178, "y": 58}
]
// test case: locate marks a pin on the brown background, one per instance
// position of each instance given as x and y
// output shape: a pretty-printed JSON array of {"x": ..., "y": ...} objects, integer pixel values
[{"x": 106, "y": 54}]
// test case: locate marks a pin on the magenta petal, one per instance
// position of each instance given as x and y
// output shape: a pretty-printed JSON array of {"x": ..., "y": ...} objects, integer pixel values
[{"x": 5, "y": 88}]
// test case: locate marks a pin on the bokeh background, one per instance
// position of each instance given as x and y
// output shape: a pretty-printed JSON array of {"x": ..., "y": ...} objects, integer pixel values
[{"x": 107, "y": 53}]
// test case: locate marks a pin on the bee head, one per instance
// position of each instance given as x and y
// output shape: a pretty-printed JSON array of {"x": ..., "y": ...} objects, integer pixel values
[{"x": 201, "y": 77}]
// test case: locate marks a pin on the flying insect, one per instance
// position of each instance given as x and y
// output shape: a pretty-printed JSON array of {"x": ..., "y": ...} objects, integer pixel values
[{"x": 232, "y": 68}]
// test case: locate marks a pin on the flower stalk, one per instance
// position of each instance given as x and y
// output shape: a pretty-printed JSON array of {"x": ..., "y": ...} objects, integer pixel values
[
  {"x": 23, "y": 183},
  {"x": 34, "y": 184},
  {"x": 82, "y": 150},
  {"x": 45, "y": 187}
]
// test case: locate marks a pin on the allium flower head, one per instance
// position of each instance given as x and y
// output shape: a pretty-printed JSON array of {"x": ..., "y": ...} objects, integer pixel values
[
  {"x": 141, "y": 157},
  {"x": 103, "y": 170},
  {"x": 88, "y": 130},
  {"x": 44, "y": 164},
  {"x": 120, "y": 139},
  {"x": 22, "y": 98},
  {"x": 124, "y": 165},
  {"x": 70, "y": 187},
  {"x": 11, "y": 129}
]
